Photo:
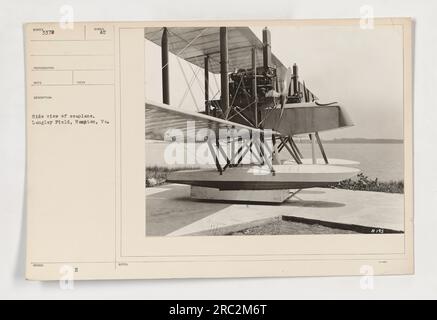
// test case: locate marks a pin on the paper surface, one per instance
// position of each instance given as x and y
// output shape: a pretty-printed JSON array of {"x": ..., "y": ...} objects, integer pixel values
[{"x": 86, "y": 155}]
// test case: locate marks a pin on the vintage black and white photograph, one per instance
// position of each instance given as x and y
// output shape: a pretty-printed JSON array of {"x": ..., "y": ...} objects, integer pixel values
[{"x": 274, "y": 130}]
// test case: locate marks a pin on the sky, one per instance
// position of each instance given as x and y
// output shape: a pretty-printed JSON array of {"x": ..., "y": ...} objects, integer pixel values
[{"x": 361, "y": 69}]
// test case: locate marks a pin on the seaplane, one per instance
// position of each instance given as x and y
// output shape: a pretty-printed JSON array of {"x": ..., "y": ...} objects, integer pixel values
[{"x": 262, "y": 107}]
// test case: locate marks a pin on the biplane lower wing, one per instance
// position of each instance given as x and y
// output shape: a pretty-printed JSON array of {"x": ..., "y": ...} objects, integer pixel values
[{"x": 164, "y": 122}]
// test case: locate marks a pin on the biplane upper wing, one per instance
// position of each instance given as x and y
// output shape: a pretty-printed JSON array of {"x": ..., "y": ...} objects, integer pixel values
[
  {"x": 162, "y": 120},
  {"x": 194, "y": 43}
]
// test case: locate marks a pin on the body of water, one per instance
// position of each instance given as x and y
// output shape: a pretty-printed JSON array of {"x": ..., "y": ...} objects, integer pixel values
[
  {"x": 377, "y": 160},
  {"x": 384, "y": 161}
]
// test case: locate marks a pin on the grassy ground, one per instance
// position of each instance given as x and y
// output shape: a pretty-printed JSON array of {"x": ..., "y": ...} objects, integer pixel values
[
  {"x": 282, "y": 227},
  {"x": 157, "y": 175},
  {"x": 364, "y": 183}
]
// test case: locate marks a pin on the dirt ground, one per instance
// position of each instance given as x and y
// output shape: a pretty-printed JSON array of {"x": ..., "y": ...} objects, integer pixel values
[{"x": 282, "y": 227}]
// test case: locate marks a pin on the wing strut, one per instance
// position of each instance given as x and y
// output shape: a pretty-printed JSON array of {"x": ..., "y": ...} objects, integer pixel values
[
  {"x": 224, "y": 61},
  {"x": 206, "y": 68},
  {"x": 165, "y": 72}
]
